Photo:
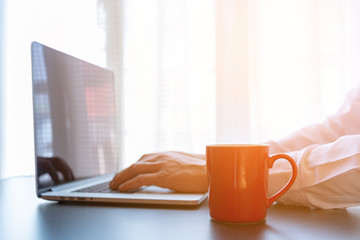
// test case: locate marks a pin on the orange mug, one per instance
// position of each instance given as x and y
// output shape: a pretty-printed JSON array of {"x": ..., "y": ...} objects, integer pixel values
[{"x": 238, "y": 177}]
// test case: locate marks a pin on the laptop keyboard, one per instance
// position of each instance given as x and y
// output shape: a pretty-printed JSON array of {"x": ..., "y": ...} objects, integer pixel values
[{"x": 99, "y": 188}]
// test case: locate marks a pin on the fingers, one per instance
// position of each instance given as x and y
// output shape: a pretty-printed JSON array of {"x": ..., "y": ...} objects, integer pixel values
[
  {"x": 62, "y": 166},
  {"x": 133, "y": 171},
  {"x": 139, "y": 181},
  {"x": 166, "y": 169}
]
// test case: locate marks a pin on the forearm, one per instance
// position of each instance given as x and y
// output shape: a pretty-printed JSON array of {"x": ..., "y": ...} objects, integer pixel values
[{"x": 328, "y": 175}]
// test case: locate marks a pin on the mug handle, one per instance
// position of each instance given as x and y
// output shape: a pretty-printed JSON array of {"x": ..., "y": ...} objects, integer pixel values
[{"x": 291, "y": 181}]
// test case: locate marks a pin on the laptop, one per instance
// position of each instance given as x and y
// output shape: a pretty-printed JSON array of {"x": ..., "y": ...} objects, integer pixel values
[{"x": 75, "y": 133}]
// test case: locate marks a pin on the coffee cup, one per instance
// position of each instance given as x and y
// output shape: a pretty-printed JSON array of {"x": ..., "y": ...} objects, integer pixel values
[{"x": 238, "y": 176}]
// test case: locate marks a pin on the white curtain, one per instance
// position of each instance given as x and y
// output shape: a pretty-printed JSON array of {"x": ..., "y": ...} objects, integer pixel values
[
  {"x": 280, "y": 65},
  {"x": 283, "y": 64},
  {"x": 189, "y": 73},
  {"x": 66, "y": 25},
  {"x": 2, "y": 135},
  {"x": 162, "y": 53}
]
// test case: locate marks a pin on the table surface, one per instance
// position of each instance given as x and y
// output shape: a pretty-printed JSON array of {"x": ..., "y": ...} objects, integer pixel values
[{"x": 24, "y": 216}]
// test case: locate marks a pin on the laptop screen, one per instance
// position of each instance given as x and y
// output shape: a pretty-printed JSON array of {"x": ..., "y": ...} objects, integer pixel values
[{"x": 74, "y": 118}]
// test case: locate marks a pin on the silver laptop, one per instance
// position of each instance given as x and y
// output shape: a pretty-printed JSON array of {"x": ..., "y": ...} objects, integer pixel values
[{"x": 75, "y": 133}]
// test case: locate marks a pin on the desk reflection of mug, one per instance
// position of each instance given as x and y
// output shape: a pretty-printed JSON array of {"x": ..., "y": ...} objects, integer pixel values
[{"x": 238, "y": 181}]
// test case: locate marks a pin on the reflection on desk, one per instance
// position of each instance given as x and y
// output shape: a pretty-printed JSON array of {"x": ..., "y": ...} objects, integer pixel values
[{"x": 24, "y": 216}]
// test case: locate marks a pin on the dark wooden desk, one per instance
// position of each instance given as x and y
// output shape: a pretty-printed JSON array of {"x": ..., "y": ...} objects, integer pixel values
[{"x": 23, "y": 216}]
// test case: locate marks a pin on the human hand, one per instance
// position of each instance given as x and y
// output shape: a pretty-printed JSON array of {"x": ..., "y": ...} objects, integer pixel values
[
  {"x": 180, "y": 172},
  {"x": 53, "y": 166}
]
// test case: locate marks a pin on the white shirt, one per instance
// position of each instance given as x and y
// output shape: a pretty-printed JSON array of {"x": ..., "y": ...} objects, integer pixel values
[{"x": 328, "y": 160}]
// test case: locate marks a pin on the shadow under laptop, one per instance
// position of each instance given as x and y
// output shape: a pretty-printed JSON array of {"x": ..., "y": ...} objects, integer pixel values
[{"x": 107, "y": 221}]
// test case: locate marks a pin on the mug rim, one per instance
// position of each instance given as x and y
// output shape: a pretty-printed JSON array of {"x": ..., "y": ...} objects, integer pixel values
[{"x": 237, "y": 145}]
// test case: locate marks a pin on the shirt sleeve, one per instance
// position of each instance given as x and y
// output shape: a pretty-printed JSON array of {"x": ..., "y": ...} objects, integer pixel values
[
  {"x": 328, "y": 175},
  {"x": 328, "y": 160}
]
